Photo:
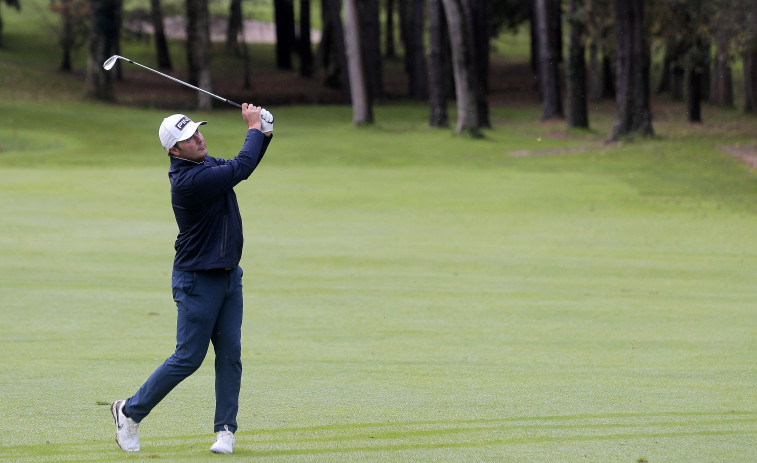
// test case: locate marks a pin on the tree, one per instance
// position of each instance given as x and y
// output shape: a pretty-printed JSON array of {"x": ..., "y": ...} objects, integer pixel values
[
  {"x": 198, "y": 49},
  {"x": 548, "y": 62},
  {"x": 370, "y": 35},
  {"x": 599, "y": 30},
  {"x": 463, "y": 69},
  {"x": 362, "y": 112},
  {"x": 732, "y": 28},
  {"x": 234, "y": 25},
  {"x": 750, "y": 81},
  {"x": 306, "y": 47},
  {"x": 12, "y": 4},
  {"x": 161, "y": 44},
  {"x": 389, "y": 35},
  {"x": 331, "y": 50},
  {"x": 75, "y": 19},
  {"x": 633, "y": 113},
  {"x": 103, "y": 42},
  {"x": 285, "y": 36},
  {"x": 411, "y": 18},
  {"x": 478, "y": 13},
  {"x": 578, "y": 115},
  {"x": 437, "y": 70},
  {"x": 720, "y": 31}
]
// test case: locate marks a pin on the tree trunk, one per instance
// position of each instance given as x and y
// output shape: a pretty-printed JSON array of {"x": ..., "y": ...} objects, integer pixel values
[
  {"x": 595, "y": 73},
  {"x": 284, "y": 18},
  {"x": 306, "y": 46},
  {"x": 371, "y": 40},
  {"x": 479, "y": 19},
  {"x": 722, "y": 83},
  {"x": 677, "y": 80},
  {"x": 414, "y": 49},
  {"x": 362, "y": 112},
  {"x": 576, "y": 71},
  {"x": 332, "y": 46},
  {"x": 750, "y": 81},
  {"x": 437, "y": 83},
  {"x": 667, "y": 63},
  {"x": 696, "y": 79},
  {"x": 389, "y": 51},
  {"x": 467, "y": 116},
  {"x": 234, "y": 25},
  {"x": 198, "y": 49},
  {"x": 694, "y": 94},
  {"x": 67, "y": 35},
  {"x": 103, "y": 41},
  {"x": 633, "y": 112},
  {"x": 549, "y": 81},
  {"x": 608, "y": 76},
  {"x": 161, "y": 45}
]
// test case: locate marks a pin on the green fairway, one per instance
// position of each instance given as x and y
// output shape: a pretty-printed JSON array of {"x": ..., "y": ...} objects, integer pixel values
[{"x": 410, "y": 295}]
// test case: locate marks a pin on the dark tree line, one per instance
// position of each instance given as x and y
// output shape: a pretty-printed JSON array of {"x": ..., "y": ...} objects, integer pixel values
[
  {"x": 12, "y": 4},
  {"x": 445, "y": 47}
]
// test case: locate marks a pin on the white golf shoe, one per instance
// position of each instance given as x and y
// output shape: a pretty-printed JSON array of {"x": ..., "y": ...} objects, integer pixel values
[
  {"x": 127, "y": 430},
  {"x": 224, "y": 442}
]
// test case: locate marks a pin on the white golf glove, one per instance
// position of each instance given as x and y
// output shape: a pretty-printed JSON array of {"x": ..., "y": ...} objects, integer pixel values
[{"x": 266, "y": 119}]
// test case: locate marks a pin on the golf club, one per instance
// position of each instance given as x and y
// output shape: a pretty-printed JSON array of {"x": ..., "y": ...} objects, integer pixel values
[{"x": 110, "y": 62}]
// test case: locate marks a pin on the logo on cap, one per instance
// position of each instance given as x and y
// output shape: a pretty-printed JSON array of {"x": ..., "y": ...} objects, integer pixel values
[{"x": 182, "y": 122}]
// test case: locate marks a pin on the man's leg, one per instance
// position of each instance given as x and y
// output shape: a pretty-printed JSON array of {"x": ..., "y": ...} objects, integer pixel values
[
  {"x": 198, "y": 296},
  {"x": 226, "y": 338}
]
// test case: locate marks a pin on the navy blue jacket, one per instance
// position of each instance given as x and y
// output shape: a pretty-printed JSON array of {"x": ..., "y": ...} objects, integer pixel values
[{"x": 206, "y": 209}]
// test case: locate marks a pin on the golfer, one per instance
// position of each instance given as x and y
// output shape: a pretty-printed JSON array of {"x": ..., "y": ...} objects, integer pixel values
[{"x": 206, "y": 279}]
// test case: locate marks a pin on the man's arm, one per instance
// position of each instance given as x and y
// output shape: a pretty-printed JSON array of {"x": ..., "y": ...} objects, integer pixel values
[{"x": 209, "y": 182}]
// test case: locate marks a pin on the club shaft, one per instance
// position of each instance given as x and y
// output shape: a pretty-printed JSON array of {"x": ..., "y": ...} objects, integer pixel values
[{"x": 184, "y": 83}]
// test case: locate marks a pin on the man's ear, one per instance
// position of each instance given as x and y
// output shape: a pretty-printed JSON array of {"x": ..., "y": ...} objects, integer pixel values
[{"x": 173, "y": 151}]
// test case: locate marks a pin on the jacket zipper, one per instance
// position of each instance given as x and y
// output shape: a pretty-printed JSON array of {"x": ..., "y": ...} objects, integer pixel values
[{"x": 223, "y": 237}]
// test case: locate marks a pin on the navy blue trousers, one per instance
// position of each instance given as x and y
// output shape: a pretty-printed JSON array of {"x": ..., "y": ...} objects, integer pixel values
[{"x": 209, "y": 307}]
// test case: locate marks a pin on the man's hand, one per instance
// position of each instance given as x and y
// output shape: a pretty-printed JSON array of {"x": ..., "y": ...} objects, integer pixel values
[
  {"x": 251, "y": 115},
  {"x": 266, "y": 121}
]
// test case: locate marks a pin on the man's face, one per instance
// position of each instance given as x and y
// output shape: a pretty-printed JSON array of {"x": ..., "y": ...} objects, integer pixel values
[{"x": 193, "y": 148}]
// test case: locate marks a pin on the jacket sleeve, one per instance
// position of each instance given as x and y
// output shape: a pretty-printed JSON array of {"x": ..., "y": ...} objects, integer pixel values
[{"x": 226, "y": 174}]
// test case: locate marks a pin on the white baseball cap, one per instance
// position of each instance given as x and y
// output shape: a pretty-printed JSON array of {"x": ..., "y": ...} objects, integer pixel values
[{"x": 177, "y": 128}]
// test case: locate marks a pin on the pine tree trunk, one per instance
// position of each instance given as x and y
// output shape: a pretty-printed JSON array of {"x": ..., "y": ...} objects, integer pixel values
[
  {"x": 362, "y": 112},
  {"x": 198, "y": 49},
  {"x": 389, "y": 51},
  {"x": 548, "y": 64},
  {"x": 750, "y": 81},
  {"x": 576, "y": 72},
  {"x": 722, "y": 83},
  {"x": 479, "y": 17},
  {"x": 306, "y": 46},
  {"x": 371, "y": 37},
  {"x": 467, "y": 116},
  {"x": 103, "y": 42},
  {"x": 234, "y": 24},
  {"x": 161, "y": 45},
  {"x": 437, "y": 83},
  {"x": 633, "y": 112},
  {"x": 418, "y": 79},
  {"x": 284, "y": 19}
]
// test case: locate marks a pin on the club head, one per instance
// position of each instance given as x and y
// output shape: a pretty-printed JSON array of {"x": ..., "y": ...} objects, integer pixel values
[{"x": 110, "y": 62}]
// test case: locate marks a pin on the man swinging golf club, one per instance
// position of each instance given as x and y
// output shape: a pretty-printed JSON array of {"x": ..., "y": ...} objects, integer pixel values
[{"x": 206, "y": 278}]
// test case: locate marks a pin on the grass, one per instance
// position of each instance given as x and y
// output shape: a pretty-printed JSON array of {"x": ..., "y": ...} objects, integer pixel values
[{"x": 411, "y": 295}]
